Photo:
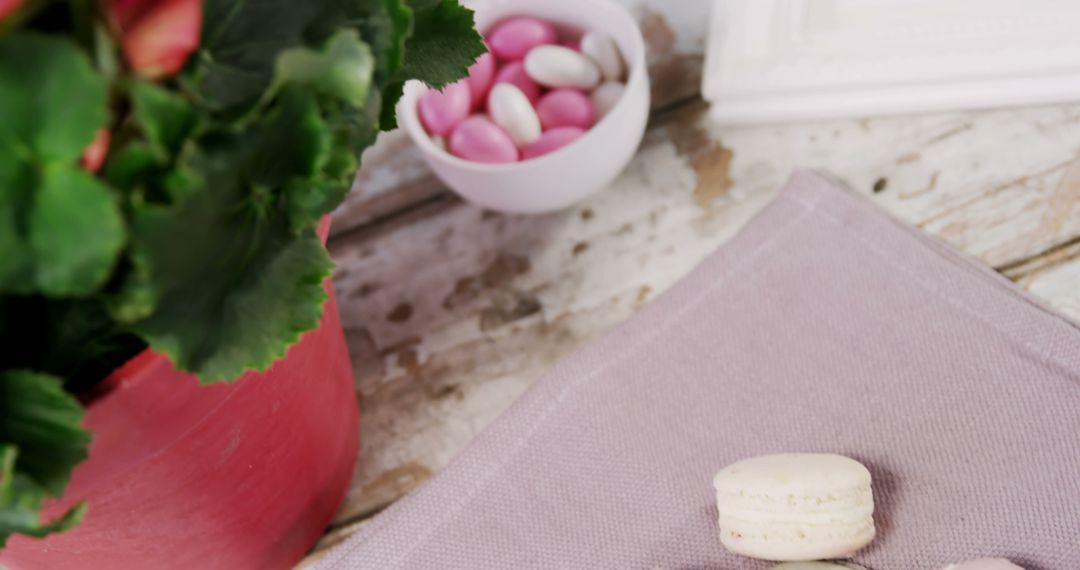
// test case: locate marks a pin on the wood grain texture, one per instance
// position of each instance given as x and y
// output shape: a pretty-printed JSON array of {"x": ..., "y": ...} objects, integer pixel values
[{"x": 451, "y": 312}]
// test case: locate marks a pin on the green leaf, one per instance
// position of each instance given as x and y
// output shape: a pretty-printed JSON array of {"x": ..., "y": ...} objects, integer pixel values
[
  {"x": 236, "y": 286},
  {"x": 62, "y": 240},
  {"x": 40, "y": 443},
  {"x": 60, "y": 229},
  {"x": 439, "y": 50},
  {"x": 383, "y": 24},
  {"x": 16, "y": 263},
  {"x": 388, "y": 34},
  {"x": 104, "y": 51},
  {"x": 131, "y": 165},
  {"x": 355, "y": 128},
  {"x": 136, "y": 298},
  {"x": 390, "y": 96},
  {"x": 311, "y": 159},
  {"x": 308, "y": 200},
  {"x": 423, "y": 5},
  {"x": 74, "y": 339},
  {"x": 53, "y": 101},
  {"x": 21, "y": 500},
  {"x": 76, "y": 232},
  {"x": 164, "y": 117},
  {"x": 341, "y": 69},
  {"x": 241, "y": 40},
  {"x": 293, "y": 141},
  {"x": 146, "y": 177},
  {"x": 444, "y": 43},
  {"x": 42, "y": 420}
]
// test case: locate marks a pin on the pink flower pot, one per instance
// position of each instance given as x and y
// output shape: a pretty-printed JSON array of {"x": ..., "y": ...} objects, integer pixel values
[{"x": 236, "y": 476}]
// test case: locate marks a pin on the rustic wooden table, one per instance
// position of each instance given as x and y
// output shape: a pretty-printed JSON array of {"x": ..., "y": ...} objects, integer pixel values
[{"x": 450, "y": 312}]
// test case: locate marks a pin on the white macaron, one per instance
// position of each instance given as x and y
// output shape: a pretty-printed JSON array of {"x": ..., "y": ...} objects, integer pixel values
[{"x": 795, "y": 506}]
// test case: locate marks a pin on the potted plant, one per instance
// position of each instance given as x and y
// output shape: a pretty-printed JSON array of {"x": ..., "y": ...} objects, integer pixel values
[{"x": 174, "y": 385}]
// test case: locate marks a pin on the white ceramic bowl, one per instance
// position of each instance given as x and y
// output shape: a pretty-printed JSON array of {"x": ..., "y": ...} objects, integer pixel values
[{"x": 563, "y": 177}]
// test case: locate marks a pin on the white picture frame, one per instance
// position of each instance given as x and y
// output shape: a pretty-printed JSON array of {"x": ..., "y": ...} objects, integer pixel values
[{"x": 794, "y": 60}]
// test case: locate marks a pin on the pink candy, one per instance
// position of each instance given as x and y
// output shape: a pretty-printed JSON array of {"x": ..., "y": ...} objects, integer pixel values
[
  {"x": 479, "y": 140},
  {"x": 566, "y": 108},
  {"x": 551, "y": 141},
  {"x": 480, "y": 79},
  {"x": 441, "y": 111},
  {"x": 558, "y": 76},
  {"x": 515, "y": 73},
  {"x": 511, "y": 39}
]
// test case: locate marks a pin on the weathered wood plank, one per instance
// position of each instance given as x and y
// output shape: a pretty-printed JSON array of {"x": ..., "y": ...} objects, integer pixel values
[
  {"x": 1058, "y": 287},
  {"x": 332, "y": 538},
  {"x": 393, "y": 175},
  {"x": 1055, "y": 279},
  {"x": 451, "y": 312}
]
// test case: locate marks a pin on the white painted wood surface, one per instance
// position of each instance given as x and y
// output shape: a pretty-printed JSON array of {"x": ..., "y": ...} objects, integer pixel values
[
  {"x": 787, "y": 60},
  {"x": 451, "y": 312}
]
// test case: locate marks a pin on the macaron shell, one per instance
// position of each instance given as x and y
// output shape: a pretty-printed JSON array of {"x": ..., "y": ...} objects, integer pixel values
[
  {"x": 481, "y": 76},
  {"x": 441, "y": 111},
  {"x": 793, "y": 473},
  {"x": 566, "y": 108},
  {"x": 795, "y": 506},
  {"x": 479, "y": 140},
  {"x": 515, "y": 73},
  {"x": 551, "y": 141},
  {"x": 511, "y": 39},
  {"x": 794, "y": 541}
]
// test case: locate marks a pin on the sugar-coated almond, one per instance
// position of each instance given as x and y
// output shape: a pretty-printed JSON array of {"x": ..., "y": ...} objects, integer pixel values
[
  {"x": 511, "y": 39},
  {"x": 606, "y": 96},
  {"x": 479, "y": 140},
  {"x": 566, "y": 108},
  {"x": 551, "y": 141},
  {"x": 481, "y": 76},
  {"x": 557, "y": 66},
  {"x": 515, "y": 73},
  {"x": 511, "y": 110},
  {"x": 604, "y": 53},
  {"x": 441, "y": 111}
]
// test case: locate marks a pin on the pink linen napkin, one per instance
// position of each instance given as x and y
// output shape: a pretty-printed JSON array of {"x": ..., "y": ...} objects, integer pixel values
[{"x": 823, "y": 326}]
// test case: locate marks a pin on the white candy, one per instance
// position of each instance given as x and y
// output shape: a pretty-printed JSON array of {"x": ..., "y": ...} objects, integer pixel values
[
  {"x": 557, "y": 66},
  {"x": 510, "y": 109},
  {"x": 606, "y": 96},
  {"x": 602, "y": 51}
]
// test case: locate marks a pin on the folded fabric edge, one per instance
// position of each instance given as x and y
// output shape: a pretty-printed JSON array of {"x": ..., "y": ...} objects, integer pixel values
[
  {"x": 478, "y": 461},
  {"x": 952, "y": 274},
  {"x": 807, "y": 195}
]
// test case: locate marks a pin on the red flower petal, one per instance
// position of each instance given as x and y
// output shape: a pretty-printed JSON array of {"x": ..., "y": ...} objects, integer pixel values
[
  {"x": 160, "y": 35},
  {"x": 9, "y": 6},
  {"x": 123, "y": 13},
  {"x": 94, "y": 154}
]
